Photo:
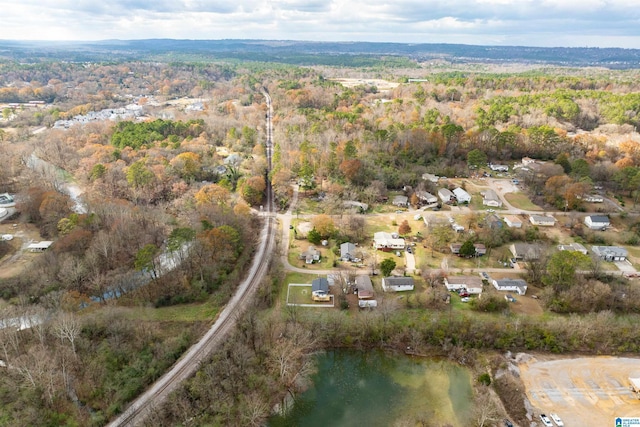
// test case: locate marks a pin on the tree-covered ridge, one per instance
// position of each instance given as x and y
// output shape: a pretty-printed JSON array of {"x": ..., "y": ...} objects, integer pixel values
[{"x": 135, "y": 135}]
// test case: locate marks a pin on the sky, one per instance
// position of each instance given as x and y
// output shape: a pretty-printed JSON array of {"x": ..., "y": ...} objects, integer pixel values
[{"x": 548, "y": 23}]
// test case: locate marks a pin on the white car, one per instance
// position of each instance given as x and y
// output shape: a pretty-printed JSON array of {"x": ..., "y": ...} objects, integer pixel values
[
  {"x": 556, "y": 419},
  {"x": 546, "y": 421}
]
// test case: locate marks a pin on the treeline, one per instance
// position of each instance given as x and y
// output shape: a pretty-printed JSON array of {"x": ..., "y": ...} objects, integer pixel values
[{"x": 135, "y": 135}]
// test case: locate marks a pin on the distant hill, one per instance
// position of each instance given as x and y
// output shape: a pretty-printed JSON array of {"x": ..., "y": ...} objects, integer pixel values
[{"x": 313, "y": 53}]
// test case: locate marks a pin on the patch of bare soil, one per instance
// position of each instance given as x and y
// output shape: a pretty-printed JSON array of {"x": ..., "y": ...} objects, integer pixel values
[
  {"x": 18, "y": 258},
  {"x": 584, "y": 391}
]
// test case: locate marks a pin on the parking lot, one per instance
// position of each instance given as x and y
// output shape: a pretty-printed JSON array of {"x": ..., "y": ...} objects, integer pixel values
[{"x": 586, "y": 392}]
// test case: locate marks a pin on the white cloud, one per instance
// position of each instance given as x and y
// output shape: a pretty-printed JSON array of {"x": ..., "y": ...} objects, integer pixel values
[{"x": 528, "y": 22}]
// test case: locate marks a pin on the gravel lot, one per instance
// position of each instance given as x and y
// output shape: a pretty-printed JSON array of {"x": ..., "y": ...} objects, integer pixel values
[{"x": 586, "y": 392}]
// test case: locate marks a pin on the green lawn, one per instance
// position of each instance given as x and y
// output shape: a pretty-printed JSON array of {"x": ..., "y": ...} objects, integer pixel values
[
  {"x": 299, "y": 294},
  {"x": 206, "y": 311},
  {"x": 521, "y": 201},
  {"x": 296, "y": 247}
]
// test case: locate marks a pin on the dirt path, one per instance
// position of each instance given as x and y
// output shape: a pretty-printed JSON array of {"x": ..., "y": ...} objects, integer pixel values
[{"x": 586, "y": 391}]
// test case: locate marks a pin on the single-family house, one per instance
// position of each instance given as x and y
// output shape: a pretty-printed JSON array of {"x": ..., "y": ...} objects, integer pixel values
[
  {"x": 610, "y": 253},
  {"x": 542, "y": 220},
  {"x": 400, "y": 201},
  {"x": 39, "y": 246},
  {"x": 526, "y": 251},
  {"x": 597, "y": 222},
  {"x": 426, "y": 198},
  {"x": 347, "y": 251},
  {"x": 490, "y": 198},
  {"x": 494, "y": 222},
  {"x": 446, "y": 195},
  {"x": 513, "y": 221},
  {"x": 358, "y": 206},
  {"x": 320, "y": 289},
  {"x": 499, "y": 168},
  {"x": 364, "y": 287},
  {"x": 311, "y": 255},
  {"x": 573, "y": 247},
  {"x": 472, "y": 284},
  {"x": 480, "y": 248},
  {"x": 387, "y": 241},
  {"x": 461, "y": 195},
  {"x": 593, "y": 198},
  {"x": 397, "y": 284},
  {"x": 510, "y": 285},
  {"x": 430, "y": 177},
  {"x": 434, "y": 221}
]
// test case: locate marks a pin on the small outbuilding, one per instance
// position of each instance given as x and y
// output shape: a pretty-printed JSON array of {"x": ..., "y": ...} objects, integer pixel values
[{"x": 39, "y": 246}]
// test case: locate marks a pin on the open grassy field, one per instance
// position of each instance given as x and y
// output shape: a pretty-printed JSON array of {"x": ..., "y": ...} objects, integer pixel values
[
  {"x": 206, "y": 311},
  {"x": 521, "y": 201}
]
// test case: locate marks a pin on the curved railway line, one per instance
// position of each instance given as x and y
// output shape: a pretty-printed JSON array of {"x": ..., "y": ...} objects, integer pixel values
[{"x": 189, "y": 363}]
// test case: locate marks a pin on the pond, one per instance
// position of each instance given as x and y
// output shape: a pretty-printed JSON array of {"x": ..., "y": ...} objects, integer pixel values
[{"x": 354, "y": 388}]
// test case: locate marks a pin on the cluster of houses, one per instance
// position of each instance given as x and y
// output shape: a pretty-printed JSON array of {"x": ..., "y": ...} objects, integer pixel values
[{"x": 458, "y": 195}]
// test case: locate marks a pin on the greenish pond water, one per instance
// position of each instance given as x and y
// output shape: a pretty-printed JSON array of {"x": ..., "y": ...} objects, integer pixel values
[{"x": 353, "y": 388}]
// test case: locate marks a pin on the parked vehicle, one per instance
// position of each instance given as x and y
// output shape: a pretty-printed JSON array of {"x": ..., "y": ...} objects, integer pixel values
[
  {"x": 556, "y": 419},
  {"x": 465, "y": 299},
  {"x": 545, "y": 420},
  {"x": 507, "y": 423}
]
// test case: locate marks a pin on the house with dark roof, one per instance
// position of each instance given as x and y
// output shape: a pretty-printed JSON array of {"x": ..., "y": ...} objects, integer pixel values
[
  {"x": 510, "y": 285},
  {"x": 597, "y": 222},
  {"x": 610, "y": 253},
  {"x": 397, "y": 284}
]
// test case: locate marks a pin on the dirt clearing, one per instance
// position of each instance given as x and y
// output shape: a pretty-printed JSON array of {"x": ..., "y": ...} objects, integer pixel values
[{"x": 586, "y": 392}]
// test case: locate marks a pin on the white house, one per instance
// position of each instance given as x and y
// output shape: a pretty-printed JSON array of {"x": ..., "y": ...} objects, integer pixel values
[
  {"x": 39, "y": 246},
  {"x": 397, "y": 284},
  {"x": 513, "y": 221},
  {"x": 610, "y": 253},
  {"x": 594, "y": 198},
  {"x": 499, "y": 168},
  {"x": 387, "y": 241},
  {"x": 542, "y": 220},
  {"x": 461, "y": 195},
  {"x": 491, "y": 199},
  {"x": 573, "y": 247},
  {"x": 511, "y": 285},
  {"x": 597, "y": 222},
  {"x": 472, "y": 284},
  {"x": 430, "y": 177},
  {"x": 445, "y": 195}
]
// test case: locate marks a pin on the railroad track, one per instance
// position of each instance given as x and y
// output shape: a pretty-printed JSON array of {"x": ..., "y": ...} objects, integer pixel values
[{"x": 190, "y": 362}]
